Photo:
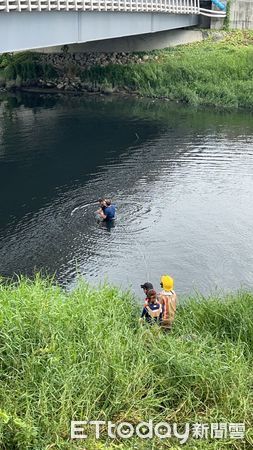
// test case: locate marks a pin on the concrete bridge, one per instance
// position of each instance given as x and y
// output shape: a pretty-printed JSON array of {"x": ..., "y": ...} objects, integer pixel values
[{"x": 30, "y": 24}]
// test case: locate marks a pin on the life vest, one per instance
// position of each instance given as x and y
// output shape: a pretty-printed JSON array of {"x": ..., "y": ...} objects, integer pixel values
[
  {"x": 168, "y": 301},
  {"x": 154, "y": 313}
]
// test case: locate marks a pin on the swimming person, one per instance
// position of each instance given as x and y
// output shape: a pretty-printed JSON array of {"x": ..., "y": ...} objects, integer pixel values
[{"x": 168, "y": 299}]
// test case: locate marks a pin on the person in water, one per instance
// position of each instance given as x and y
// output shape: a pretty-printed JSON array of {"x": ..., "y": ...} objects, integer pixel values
[
  {"x": 168, "y": 300},
  {"x": 108, "y": 212},
  {"x": 102, "y": 206},
  {"x": 152, "y": 311},
  {"x": 146, "y": 287}
]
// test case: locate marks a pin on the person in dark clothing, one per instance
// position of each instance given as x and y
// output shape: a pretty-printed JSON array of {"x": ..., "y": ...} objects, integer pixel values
[
  {"x": 152, "y": 311},
  {"x": 146, "y": 287}
]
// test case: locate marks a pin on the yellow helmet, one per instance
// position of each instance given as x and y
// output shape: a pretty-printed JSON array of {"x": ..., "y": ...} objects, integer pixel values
[{"x": 167, "y": 282}]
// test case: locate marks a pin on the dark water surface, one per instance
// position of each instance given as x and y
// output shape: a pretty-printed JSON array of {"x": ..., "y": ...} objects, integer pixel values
[{"x": 182, "y": 181}]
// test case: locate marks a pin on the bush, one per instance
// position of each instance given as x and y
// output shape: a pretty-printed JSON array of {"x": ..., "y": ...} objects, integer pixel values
[
  {"x": 205, "y": 73},
  {"x": 27, "y": 66}
]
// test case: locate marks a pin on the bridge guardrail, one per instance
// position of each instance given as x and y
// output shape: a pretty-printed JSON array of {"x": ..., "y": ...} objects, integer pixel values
[{"x": 161, "y": 6}]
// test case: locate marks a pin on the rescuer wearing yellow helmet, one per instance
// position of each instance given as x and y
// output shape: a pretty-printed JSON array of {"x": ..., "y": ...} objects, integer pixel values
[{"x": 168, "y": 299}]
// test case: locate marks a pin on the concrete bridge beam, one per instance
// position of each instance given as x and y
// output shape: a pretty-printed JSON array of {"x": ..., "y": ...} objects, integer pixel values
[{"x": 33, "y": 30}]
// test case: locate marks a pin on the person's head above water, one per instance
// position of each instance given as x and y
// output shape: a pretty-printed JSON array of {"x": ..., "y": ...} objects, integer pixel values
[
  {"x": 166, "y": 282},
  {"x": 147, "y": 286}
]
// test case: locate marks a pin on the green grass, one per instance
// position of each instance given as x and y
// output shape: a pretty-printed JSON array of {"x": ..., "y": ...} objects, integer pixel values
[
  {"x": 206, "y": 74},
  {"x": 83, "y": 355},
  {"x": 215, "y": 74},
  {"x": 26, "y": 65}
]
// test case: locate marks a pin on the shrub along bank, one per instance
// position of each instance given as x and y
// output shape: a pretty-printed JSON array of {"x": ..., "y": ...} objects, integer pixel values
[
  {"x": 209, "y": 73},
  {"x": 82, "y": 355}
]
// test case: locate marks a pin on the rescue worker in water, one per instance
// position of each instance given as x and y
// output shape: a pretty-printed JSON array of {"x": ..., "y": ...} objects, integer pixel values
[{"x": 107, "y": 210}]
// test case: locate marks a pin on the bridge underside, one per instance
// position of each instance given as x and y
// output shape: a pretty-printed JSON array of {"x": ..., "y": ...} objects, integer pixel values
[{"x": 26, "y": 30}]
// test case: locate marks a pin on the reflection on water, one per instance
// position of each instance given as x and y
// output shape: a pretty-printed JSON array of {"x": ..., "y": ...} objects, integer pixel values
[{"x": 181, "y": 179}]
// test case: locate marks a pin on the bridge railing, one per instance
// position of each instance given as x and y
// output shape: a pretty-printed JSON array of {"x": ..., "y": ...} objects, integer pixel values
[{"x": 161, "y": 6}]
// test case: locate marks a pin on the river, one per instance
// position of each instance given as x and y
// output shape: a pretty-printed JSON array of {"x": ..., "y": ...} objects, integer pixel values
[{"x": 182, "y": 181}]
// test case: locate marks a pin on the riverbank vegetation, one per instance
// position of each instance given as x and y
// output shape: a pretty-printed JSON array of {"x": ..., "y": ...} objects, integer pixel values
[
  {"x": 209, "y": 73},
  {"x": 16, "y": 69},
  {"x": 206, "y": 73},
  {"x": 83, "y": 355}
]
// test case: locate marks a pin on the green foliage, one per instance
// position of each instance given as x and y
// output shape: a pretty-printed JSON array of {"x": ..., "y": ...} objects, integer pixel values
[
  {"x": 82, "y": 355},
  {"x": 205, "y": 73},
  {"x": 26, "y": 65},
  {"x": 5, "y": 59},
  {"x": 226, "y": 23},
  {"x": 239, "y": 37}
]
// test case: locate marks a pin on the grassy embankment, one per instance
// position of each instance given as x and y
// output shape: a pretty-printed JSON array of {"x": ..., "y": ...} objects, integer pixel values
[
  {"x": 218, "y": 74},
  {"x": 82, "y": 355}
]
